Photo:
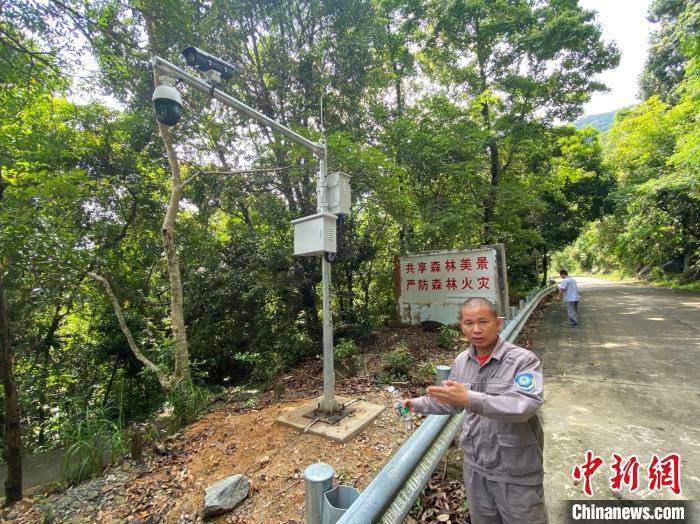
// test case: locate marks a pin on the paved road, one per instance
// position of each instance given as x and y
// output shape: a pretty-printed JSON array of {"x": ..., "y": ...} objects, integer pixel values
[
  {"x": 627, "y": 380},
  {"x": 39, "y": 472}
]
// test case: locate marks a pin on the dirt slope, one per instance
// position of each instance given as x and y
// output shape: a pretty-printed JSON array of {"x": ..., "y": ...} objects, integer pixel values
[{"x": 169, "y": 485}]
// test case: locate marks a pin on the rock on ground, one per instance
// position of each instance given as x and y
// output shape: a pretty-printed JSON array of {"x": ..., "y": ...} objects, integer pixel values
[{"x": 225, "y": 495}]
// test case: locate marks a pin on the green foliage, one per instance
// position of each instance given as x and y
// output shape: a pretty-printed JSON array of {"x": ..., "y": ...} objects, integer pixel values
[
  {"x": 480, "y": 159},
  {"x": 500, "y": 58},
  {"x": 250, "y": 403},
  {"x": 505, "y": 34},
  {"x": 448, "y": 337},
  {"x": 399, "y": 361},
  {"x": 188, "y": 401},
  {"x": 593, "y": 250},
  {"x": 92, "y": 443},
  {"x": 639, "y": 143},
  {"x": 345, "y": 349},
  {"x": 677, "y": 23},
  {"x": 652, "y": 151},
  {"x": 48, "y": 515},
  {"x": 386, "y": 378},
  {"x": 426, "y": 372}
]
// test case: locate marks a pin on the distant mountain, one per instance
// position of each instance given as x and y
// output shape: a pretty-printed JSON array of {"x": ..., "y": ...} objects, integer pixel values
[{"x": 602, "y": 122}]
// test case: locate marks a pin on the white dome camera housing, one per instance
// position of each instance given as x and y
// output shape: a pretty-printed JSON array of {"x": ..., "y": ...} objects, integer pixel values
[{"x": 167, "y": 102}]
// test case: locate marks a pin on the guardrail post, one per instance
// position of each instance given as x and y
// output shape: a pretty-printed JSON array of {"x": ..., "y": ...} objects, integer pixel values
[
  {"x": 318, "y": 478},
  {"x": 442, "y": 373}
]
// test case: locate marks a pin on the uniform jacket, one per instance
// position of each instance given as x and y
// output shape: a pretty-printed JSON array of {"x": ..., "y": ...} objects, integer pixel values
[{"x": 502, "y": 435}]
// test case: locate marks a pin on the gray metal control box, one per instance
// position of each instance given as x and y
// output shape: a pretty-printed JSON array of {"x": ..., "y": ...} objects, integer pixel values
[
  {"x": 339, "y": 193},
  {"x": 315, "y": 235}
]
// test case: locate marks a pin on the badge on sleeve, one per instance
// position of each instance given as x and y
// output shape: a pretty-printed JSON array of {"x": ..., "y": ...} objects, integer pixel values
[{"x": 525, "y": 381}]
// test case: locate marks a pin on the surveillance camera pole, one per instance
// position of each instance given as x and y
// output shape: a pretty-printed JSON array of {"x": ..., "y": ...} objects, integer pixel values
[{"x": 328, "y": 405}]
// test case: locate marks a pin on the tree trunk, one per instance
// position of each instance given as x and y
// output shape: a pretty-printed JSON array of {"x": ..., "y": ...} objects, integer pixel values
[
  {"x": 492, "y": 145},
  {"x": 687, "y": 259},
  {"x": 545, "y": 268},
  {"x": 404, "y": 229},
  {"x": 42, "y": 396},
  {"x": 181, "y": 371},
  {"x": 490, "y": 204},
  {"x": 166, "y": 382},
  {"x": 111, "y": 381},
  {"x": 13, "y": 443},
  {"x": 177, "y": 308},
  {"x": 399, "y": 105},
  {"x": 308, "y": 304}
]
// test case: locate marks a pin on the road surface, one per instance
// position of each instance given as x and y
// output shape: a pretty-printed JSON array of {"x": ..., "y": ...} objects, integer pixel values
[{"x": 626, "y": 381}]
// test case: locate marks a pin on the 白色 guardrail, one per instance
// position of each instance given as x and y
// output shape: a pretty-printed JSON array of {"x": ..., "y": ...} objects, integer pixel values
[{"x": 391, "y": 494}]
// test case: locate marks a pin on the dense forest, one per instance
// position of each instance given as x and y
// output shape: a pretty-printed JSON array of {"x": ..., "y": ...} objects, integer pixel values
[
  {"x": 652, "y": 224},
  {"x": 142, "y": 266}
]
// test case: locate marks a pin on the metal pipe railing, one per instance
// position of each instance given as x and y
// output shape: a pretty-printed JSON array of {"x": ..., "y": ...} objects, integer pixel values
[
  {"x": 391, "y": 494},
  {"x": 373, "y": 501},
  {"x": 411, "y": 490}
]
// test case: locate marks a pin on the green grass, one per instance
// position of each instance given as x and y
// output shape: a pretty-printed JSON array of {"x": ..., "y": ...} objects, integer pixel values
[
  {"x": 188, "y": 401},
  {"x": 614, "y": 274},
  {"x": 101, "y": 438},
  {"x": 675, "y": 284},
  {"x": 659, "y": 281},
  {"x": 91, "y": 443}
]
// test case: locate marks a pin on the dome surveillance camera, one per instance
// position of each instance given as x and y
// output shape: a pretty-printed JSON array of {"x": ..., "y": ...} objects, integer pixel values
[{"x": 167, "y": 102}]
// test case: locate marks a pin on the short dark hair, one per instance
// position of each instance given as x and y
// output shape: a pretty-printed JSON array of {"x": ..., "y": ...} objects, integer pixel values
[
  {"x": 563, "y": 272},
  {"x": 476, "y": 302}
]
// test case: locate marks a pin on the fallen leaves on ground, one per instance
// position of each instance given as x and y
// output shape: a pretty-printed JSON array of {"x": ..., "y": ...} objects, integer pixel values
[{"x": 243, "y": 436}]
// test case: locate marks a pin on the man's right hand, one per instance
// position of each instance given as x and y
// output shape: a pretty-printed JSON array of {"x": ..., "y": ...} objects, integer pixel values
[{"x": 408, "y": 403}]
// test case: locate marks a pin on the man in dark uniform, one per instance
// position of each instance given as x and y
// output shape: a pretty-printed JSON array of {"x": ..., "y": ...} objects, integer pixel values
[{"x": 499, "y": 387}]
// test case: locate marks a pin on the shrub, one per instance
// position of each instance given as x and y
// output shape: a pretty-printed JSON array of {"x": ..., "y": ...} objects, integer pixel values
[
  {"x": 345, "y": 349},
  {"x": 426, "y": 371},
  {"x": 448, "y": 337},
  {"x": 399, "y": 361},
  {"x": 384, "y": 378}
]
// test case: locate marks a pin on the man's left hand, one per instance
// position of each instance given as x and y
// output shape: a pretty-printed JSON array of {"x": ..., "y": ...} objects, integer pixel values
[{"x": 451, "y": 392}]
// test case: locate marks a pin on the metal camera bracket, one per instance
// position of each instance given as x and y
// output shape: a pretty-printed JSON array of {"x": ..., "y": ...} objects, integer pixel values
[{"x": 212, "y": 77}]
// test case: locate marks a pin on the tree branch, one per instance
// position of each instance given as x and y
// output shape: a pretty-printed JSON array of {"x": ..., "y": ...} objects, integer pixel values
[{"x": 164, "y": 381}]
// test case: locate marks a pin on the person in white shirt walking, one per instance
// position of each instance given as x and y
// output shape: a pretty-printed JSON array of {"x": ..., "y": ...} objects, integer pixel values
[{"x": 568, "y": 291}]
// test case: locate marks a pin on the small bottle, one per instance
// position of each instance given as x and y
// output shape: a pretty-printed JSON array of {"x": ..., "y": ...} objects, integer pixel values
[{"x": 404, "y": 413}]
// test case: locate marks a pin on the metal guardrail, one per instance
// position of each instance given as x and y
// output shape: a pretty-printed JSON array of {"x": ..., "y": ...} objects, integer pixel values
[{"x": 391, "y": 494}]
